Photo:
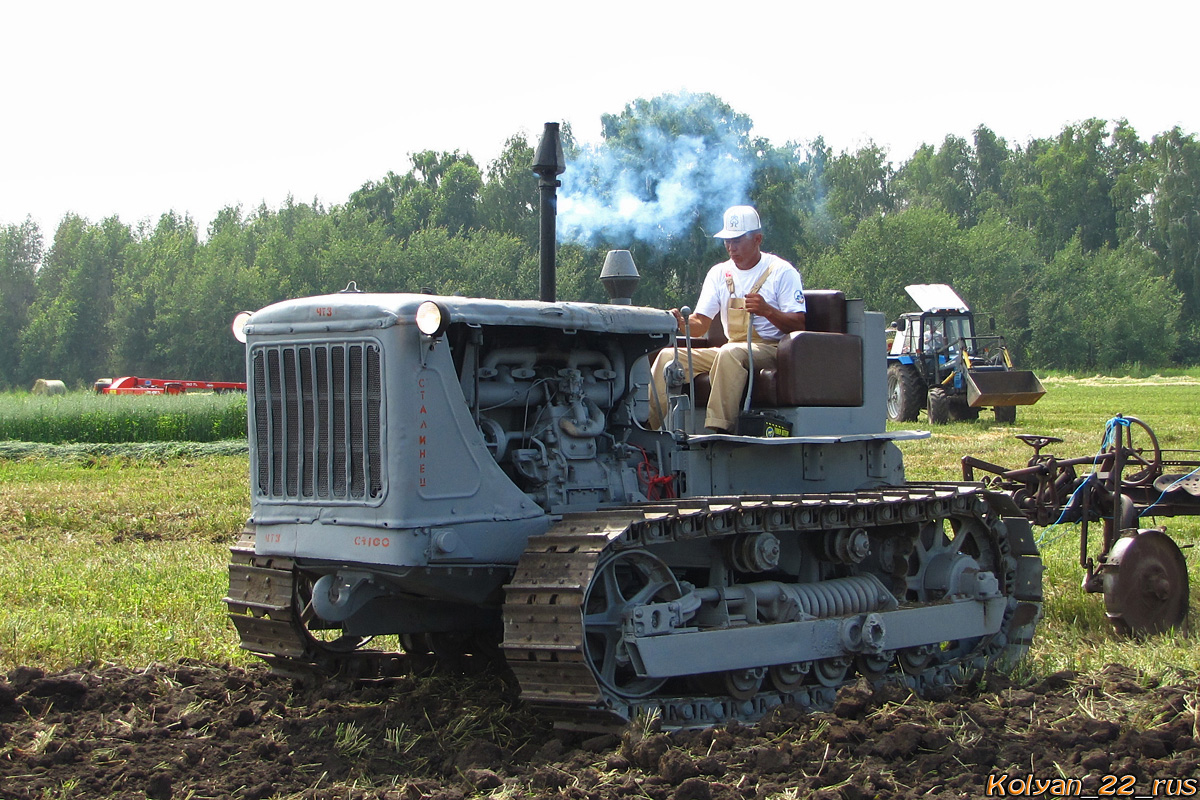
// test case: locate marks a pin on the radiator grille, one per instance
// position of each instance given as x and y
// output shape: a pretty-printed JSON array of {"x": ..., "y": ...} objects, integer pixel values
[{"x": 316, "y": 413}]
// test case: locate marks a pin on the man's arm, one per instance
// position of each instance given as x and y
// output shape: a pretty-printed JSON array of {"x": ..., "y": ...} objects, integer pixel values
[
  {"x": 698, "y": 323},
  {"x": 786, "y": 321}
]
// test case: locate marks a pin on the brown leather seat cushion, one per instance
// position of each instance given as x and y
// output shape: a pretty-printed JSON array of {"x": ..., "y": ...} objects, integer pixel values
[{"x": 813, "y": 368}]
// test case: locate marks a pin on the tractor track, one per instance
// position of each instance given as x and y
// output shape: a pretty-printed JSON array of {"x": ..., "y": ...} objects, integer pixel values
[{"x": 545, "y": 642}]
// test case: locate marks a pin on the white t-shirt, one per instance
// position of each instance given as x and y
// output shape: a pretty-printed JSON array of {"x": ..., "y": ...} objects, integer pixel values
[{"x": 783, "y": 290}]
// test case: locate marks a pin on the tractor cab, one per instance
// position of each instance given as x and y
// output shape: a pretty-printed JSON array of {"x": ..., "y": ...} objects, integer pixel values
[
  {"x": 935, "y": 333},
  {"x": 938, "y": 336}
]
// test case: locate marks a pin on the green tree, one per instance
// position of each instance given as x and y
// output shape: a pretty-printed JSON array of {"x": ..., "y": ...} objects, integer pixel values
[
  {"x": 1175, "y": 220},
  {"x": 154, "y": 265},
  {"x": 67, "y": 335},
  {"x": 991, "y": 265},
  {"x": 886, "y": 253},
  {"x": 1129, "y": 166},
  {"x": 377, "y": 199},
  {"x": 1000, "y": 267},
  {"x": 789, "y": 192},
  {"x": 1105, "y": 310},
  {"x": 360, "y": 250},
  {"x": 456, "y": 199},
  {"x": 508, "y": 201},
  {"x": 1067, "y": 189},
  {"x": 943, "y": 179},
  {"x": 992, "y": 158},
  {"x": 859, "y": 187},
  {"x": 20, "y": 255},
  {"x": 440, "y": 188}
]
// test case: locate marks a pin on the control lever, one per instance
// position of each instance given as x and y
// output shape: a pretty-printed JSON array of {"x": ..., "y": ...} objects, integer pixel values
[
  {"x": 691, "y": 373},
  {"x": 749, "y": 362}
]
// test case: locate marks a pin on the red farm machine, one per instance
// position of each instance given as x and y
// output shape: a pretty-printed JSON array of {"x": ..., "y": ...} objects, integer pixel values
[{"x": 132, "y": 384}]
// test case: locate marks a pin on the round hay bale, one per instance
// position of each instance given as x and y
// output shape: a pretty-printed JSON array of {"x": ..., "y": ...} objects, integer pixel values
[{"x": 43, "y": 386}]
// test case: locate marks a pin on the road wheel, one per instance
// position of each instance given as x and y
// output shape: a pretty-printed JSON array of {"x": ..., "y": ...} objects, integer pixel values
[
  {"x": 939, "y": 407},
  {"x": 904, "y": 392},
  {"x": 1007, "y": 414}
]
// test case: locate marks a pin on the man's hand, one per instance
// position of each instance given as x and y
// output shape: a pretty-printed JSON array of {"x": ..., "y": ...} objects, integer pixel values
[
  {"x": 698, "y": 322},
  {"x": 784, "y": 320},
  {"x": 757, "y": 306}
]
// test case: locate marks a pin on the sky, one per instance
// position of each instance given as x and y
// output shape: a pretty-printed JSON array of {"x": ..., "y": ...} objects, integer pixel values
[{"x": 134, "y": 108}]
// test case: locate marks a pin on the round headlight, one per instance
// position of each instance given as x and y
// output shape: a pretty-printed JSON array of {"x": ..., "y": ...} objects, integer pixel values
[
  {"x": 432, "y": 318},
  {"x": 239, "y": 326}
]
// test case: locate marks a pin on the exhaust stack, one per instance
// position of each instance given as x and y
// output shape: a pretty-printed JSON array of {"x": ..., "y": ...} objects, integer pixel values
[{"x": 548, "y": 164}]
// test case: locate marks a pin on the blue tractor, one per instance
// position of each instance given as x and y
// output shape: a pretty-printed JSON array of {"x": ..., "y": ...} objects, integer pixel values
[{"x": 939, "y": 362}]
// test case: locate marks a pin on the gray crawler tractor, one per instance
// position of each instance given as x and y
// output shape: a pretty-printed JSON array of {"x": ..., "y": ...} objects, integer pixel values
[{"x": 444, "y": 477}]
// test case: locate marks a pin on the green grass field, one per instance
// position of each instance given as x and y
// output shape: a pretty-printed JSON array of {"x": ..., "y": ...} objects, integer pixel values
[
  {"x": 117, "y": 559},
  {"x": 90, "y": 417},
  {"x": 111, "y": 557}
]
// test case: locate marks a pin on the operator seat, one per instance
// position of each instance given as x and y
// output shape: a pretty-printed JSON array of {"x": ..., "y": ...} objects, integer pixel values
[{"x": 818, "y": 366}]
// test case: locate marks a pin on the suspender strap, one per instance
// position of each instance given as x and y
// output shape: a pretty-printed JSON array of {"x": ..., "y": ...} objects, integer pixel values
[{"x": 757, "y": 284}]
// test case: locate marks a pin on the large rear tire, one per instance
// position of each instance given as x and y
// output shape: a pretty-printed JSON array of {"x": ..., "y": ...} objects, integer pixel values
[
  {"x": 904, "y": 393},
  {"x": 1006, "y": 414}
]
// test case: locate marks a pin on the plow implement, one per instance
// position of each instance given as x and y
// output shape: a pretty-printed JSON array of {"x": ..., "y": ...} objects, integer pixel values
[{"x": 1140, "y": 570}]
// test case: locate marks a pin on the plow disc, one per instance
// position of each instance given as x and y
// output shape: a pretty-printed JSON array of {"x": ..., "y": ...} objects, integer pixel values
[{"x": 1145, "y": 584}]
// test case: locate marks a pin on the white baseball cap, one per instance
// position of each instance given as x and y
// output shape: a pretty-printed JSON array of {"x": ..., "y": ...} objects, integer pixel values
[{"x": 739, "y": 220}]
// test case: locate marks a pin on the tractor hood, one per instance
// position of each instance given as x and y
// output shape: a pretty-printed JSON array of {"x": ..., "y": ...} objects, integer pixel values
[{"x": 356, "y": 311}]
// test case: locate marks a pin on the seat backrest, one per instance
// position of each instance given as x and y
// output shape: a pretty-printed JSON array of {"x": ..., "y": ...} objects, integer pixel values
[{"x": 825, "y": 310}]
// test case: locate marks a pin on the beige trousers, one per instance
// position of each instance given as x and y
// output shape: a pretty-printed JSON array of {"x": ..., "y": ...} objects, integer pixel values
[{"x": 726, "y": 366}]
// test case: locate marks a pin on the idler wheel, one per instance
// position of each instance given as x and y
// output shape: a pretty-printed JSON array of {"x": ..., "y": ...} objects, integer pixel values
[
  {"x": 873, "y": 667},
  {"x": 623, "y": 582},
  {"x": 1145, "y": 584},
  {"x": 743, "y": 684},
  {"x": 915, "y": 659},
  {"x": 325, "y": 636},
  {"x": 328, "y": 645}
]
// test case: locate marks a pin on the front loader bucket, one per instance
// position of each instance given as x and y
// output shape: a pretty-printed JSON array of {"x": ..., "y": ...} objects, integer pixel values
[{"x": 1014, "y": 387}]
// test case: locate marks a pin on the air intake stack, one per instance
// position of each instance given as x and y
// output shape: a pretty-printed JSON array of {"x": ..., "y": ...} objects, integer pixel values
[{"x": 619, "y": 277}]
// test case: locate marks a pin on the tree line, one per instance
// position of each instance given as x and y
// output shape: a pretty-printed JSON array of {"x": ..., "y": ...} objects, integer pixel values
[{"x": 1084, "y": 247}]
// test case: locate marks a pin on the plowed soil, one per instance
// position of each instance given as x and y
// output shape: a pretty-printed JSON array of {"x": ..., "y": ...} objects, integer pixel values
[{"x": 192, "y": 730}]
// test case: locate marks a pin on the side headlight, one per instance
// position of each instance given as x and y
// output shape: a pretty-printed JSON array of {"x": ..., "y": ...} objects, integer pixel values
[
  {"x": 239, "y": 326},
  {"x": 432, "y": 318}
]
